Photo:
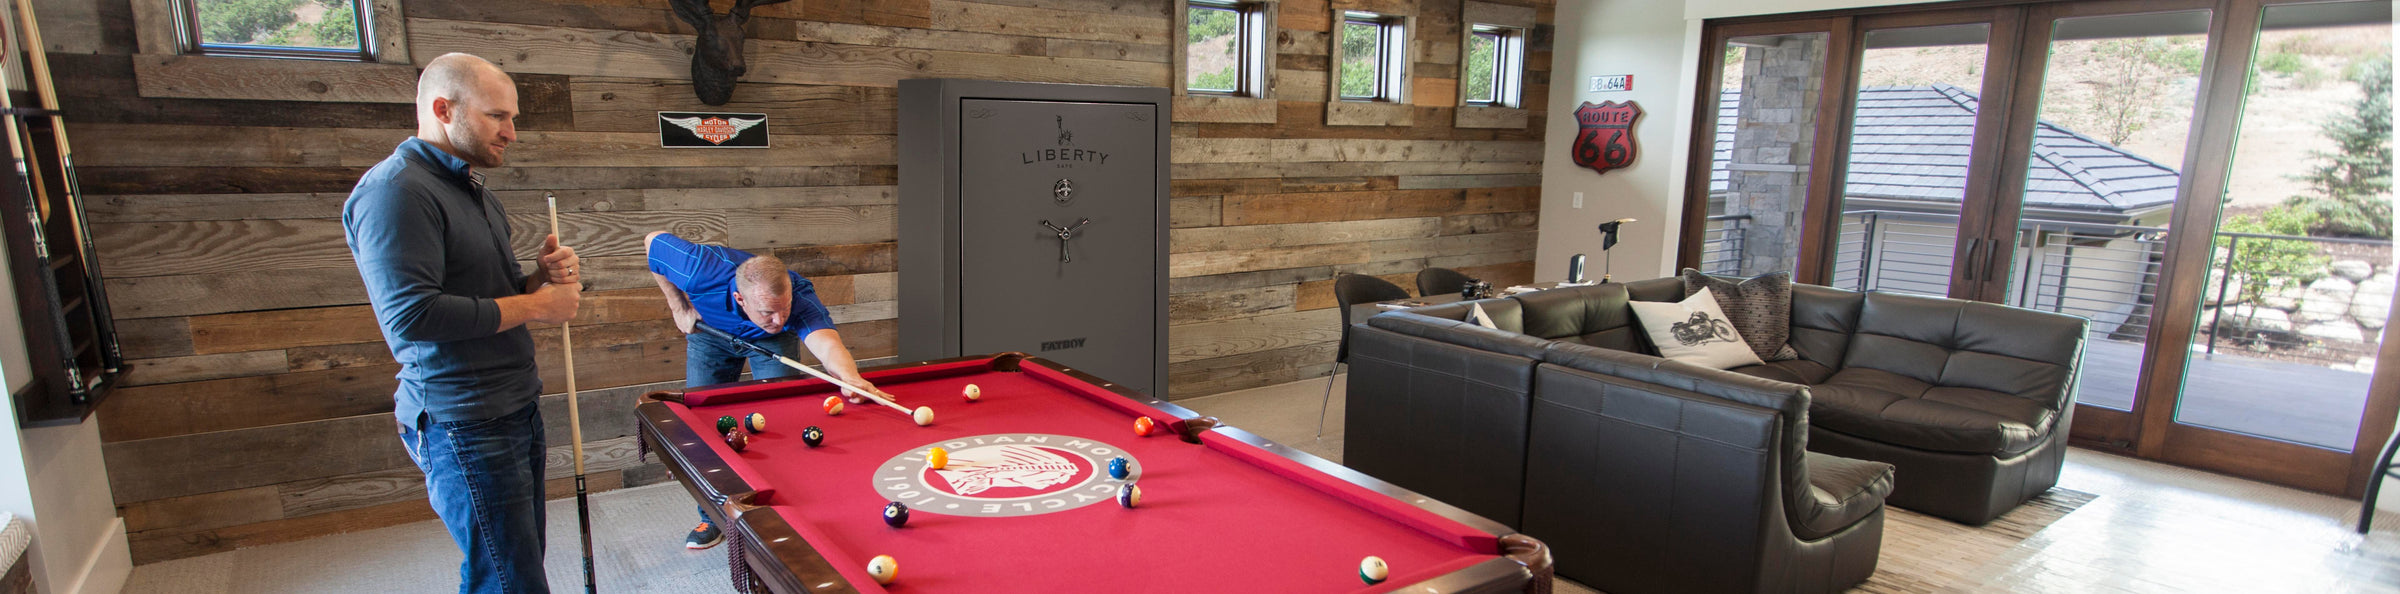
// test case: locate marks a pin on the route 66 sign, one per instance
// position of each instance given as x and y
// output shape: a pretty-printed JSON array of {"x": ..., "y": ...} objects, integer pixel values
[{"x": 1604, "y": 137}]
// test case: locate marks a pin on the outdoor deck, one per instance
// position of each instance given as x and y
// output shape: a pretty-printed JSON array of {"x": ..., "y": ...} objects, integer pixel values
[{"x": 2288, "y": 401}]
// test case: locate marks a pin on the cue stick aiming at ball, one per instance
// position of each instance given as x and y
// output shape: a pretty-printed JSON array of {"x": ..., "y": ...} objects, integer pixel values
[
  {"x": 923, "y": 415},
  {"x": 583, "y": 502}
]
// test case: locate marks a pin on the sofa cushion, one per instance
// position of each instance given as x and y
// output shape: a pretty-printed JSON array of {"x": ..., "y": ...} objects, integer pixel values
[
  {"x": 1694, "y": 331},
  {"x": 1759, "y": 307},
  {"x": 1798, "y": 371},
  {"x": 1841, "y": 491},
  {"x": 1595, "y": 315},
  {"x": 1900, "y": 410},
  {"x": 1458, "y": 332}
]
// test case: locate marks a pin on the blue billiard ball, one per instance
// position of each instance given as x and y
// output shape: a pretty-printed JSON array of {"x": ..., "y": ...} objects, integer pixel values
[
  {"x": 895, "y": 514},
  {"x": 1129, "y": 495},
  {"x": 1118, "y": 468}
]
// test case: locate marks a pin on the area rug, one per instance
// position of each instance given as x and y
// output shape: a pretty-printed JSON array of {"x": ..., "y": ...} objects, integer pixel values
[{"x": 1923, "y": 553}]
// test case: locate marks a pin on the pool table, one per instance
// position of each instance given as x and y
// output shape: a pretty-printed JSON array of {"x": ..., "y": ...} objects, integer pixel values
[{"x": 1026, "y": 502}]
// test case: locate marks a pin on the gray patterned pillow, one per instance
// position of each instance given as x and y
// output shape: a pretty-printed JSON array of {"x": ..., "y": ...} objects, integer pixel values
[{"x": 1760, "y": 309}]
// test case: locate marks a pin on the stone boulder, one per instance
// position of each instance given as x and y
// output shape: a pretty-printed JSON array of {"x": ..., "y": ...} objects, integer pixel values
[
  {"x": 2327, "y": 300},
  {"x": 2353, "y": 270},
  {"x": 2246, "y": 319},
  {"x": 2372, "y": 304},
  {"x": 2282, "y": 294},
  {"x": 2339, "y": 330}
]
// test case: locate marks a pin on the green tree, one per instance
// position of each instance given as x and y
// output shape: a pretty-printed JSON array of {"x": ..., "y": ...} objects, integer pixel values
[
  {"x": 278, "y": 22},
  {"x": 2266, "y": 263},
  {"x": 1483, "y": 62},
  {"x": 1209, "y": 23},
  {"x": 2350, "y": 189},
  {"x": 1359, "y": 42}
]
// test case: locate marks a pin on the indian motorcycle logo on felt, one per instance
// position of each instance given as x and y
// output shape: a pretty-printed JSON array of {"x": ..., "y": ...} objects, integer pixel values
[
  {"x": 1004, "y": 475},
  {"x": 1604, "y": 135},
  {"x": 678, "y": 129}
]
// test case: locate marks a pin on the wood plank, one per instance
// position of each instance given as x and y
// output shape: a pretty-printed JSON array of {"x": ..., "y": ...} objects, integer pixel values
[
  {"x": 1187, "y": 308},
  {"x": 1263, "y": 236},
  {"x": 165, "y": 545},
  {"x": 1504, "y": 222},
  {"x": 1044, "y": 22},
  {"x": 1221, "y": 262},
  {"x": 206, "y": 462},
  {"x": 590, "y": 52},
  {"x": 841, "y": 259},
  {"x": 1222, "y": 150},
  {"x": 814, "y": 225},
  {"x": 1372, "y": 168},
  {"x": 1262, "y": 278},
  {"x": 1302, "y": 42},
  {"x": 1207, "y": 340},
  {"x": 1382, "y": 7},
  {"x": 202, "y": 511},
  {"x": 1250, "y": 370},
  {"x": 1255, "y": 209},
  {"x": 1509, "y": 180},
  {"x": 644, "y": 178},
  {"x": 283, "y": 328},
  {"x": 1465, "y": 261},
  {"x": 1319, "y": 294},
  {"x": 161, "y": 411},
  {"x": 632, "y": 105},
  {"x": 209, "y": 77},
  {"x": 751, "y": 198},
  {"x": 196, "y": 294},
  {"x": 1116, "y": 7},
  {"x": 1432, "y": 88},
  {"x": 882, "y": 286},
  {"x": 1202, "y": 211},
  {"x": 339, "y": 356},
  {"x": 611, "y": 234},
  {"x": 615, "y": 149},
  {"x": 153, "y": 337},
  {"x": 1217, "y": 187},
  {"x": 864, "y": 312},
  {"x": 1491, "y": 117},
  {"x": 110, "y": 145},
  {"x": 1337, "y": 184},
  {"x": 1347, "y": 113},
  {"x": 133, "y": 208},
  {"x": 1487, "y": 13},
  {"x": 890, "y": 13},
  {"x": 168, "y": 370},
  {"x": 208, "y": 247},
  {"x": 1318, "y": 150},
  {"x": 1304, "y": 15},
  {"x": 103, "y": 90},
  {"x": 216, "y": 180},
  {"x": 367, "y": 489},
  {"x": 1236, "y": 110}
]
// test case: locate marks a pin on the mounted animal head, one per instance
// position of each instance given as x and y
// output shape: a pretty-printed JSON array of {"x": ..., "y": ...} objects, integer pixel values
[{"x": 717, "y": 52}]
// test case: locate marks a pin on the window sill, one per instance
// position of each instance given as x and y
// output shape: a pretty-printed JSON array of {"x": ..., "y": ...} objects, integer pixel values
[
  {"x": 1477, "y": 116},
  {"x": 273, "y": 79}
]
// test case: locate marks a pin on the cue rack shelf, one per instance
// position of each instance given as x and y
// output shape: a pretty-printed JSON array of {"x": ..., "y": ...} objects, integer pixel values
[{"x": 70, "y": 339}]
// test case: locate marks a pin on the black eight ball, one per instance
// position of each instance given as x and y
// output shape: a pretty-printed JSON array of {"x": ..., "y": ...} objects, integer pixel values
[{"x": 895, "y": 514}]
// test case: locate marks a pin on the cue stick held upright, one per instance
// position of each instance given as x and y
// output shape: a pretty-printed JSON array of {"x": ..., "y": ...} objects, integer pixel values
[{"x": 583, "y": 502}]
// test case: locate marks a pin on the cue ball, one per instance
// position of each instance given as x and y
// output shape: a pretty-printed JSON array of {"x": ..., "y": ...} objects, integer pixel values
[
  {"x": 895, "y": 514},
  {"x": 937, "y": 458},
  {"x": 756, "y": 423},
  {"x": 1129, "y": 495},
  {"x": 812, "y": 436},
  {"x": 737, "y": 440},
  {"x": 1117, "y": 468},
  {"x": 726, "y": 423},
  {"x": 884, "y": 568},
  {"x": 972, "y": 393},
  {"x": 924, "y": 416},
  {"x": 1372, "y": 570},
  {"x": 833, "y": 405},
  {"x": 1145, "y": 426}
]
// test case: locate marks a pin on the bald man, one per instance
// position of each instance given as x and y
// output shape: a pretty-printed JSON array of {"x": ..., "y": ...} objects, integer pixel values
[
  {"x": 433, "y": 247},
  {"x": 754, "y": 298}
]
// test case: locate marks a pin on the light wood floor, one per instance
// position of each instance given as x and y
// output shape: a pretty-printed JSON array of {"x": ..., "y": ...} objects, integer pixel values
[{"x": 2152, "y": 528}]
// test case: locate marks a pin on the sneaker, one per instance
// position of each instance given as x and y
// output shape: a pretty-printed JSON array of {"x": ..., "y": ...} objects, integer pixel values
[{"x": 703, "y": 536}]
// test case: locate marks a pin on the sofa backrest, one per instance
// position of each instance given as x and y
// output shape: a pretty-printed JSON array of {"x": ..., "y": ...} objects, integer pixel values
[
  {"x": 1789, "y": 401},
  {"x": 1967, "y": 344},
  {"x": 1823, "y": 319},
  {"x": 1595, "y": 315},
  {"x": 1505, "y": 312},
  {"x": 1447, "y": 323}
]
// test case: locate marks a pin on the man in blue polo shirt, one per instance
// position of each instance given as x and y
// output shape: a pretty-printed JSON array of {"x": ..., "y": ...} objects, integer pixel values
[
  {"x": 432, "y": 246},
  {"x": 756, "y": 299}
]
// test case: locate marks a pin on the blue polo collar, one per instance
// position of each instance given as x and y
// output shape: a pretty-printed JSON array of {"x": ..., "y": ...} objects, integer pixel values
[{"x": 425, "y": 152}]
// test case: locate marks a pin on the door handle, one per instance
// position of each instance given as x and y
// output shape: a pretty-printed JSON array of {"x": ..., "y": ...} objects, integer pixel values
[
  {"x": 1974, "y": 247},
  {"x": 1064, "y": 234}
]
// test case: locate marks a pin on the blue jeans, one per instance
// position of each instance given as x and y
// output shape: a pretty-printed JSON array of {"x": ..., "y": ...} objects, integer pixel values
[
  {"x": 484, "y": 478},
  {"x": 709, "y": 360}
]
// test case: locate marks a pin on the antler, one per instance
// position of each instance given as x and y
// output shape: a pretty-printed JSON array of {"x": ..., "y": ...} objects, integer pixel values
[
  {"x": 741, "y": 8},
  {"x": 695, "y": 12}
]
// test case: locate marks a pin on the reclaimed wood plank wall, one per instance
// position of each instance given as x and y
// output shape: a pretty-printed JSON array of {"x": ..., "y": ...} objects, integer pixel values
[{"x": 257, "y": 409}]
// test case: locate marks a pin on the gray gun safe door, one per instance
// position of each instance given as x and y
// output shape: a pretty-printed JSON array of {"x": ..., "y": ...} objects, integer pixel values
[{"x": 1059, "y": 234}]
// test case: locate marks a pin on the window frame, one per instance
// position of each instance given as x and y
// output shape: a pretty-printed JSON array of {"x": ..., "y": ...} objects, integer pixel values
[
  {"x": 1391, "y": 57},
  {"x": 188, "y": 40},
  {"x": 1508, "y": 65},
  {"x": 1250, "y": 41}
]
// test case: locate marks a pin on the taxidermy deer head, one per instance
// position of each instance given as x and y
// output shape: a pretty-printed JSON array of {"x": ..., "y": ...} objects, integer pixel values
[{"x": 717, "y": 53}]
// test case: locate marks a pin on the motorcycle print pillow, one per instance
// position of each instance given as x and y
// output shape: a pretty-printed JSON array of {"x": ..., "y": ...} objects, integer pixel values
[{"x": 1694, "y": 331}]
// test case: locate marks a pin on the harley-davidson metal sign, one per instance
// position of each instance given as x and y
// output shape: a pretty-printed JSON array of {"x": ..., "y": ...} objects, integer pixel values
[
  {"x": 1604, "y": 138},
  {"x": 712, "y": 130}
]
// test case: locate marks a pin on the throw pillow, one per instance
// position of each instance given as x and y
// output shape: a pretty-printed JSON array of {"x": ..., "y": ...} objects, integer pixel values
[
  {"x": 1760, "y": 308},
  {"x": 1475, "y": 314},
  {"x": 1694, "y": 331}
]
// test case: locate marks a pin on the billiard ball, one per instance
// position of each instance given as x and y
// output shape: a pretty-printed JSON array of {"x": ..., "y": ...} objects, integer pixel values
[
  {"x": 737, "y": 440},
  {"x": 895, "y": 514},
  {"x": 924, "y": 416},
  {"x": 1117, "y": 468},
  {"x": 972, "y": 393},
  {"x": 756, "y": 423},
  {"x": 833, "y": 405},
  {"x": 1372, "y": 570},
  {"x": 1144, "y": 426},
  {"x": 884, "y": 568},
  {"x": 1129, "y": 495},
  {"x": 937, "y": 458},
  {"x": 812, "y": 436},
  {"x": 726, "y": 423}
]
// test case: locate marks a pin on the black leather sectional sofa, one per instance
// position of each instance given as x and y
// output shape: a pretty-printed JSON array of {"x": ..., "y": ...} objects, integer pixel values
[{"x": 1649, "y": 475}]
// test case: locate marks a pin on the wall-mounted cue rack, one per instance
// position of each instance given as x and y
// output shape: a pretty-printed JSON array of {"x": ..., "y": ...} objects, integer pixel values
[{"x": 70, "y": 339}]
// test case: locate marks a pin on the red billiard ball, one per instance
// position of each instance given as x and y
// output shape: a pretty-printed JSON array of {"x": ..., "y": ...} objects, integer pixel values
[
  {"x": 737, "y": 440},
  {"x": 1144, "y": 426}
]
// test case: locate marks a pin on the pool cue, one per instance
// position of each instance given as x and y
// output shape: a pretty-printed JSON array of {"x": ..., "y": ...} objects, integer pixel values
[
  {"x": 583, "y": 501},
  {"x": 703, "y": 327}
]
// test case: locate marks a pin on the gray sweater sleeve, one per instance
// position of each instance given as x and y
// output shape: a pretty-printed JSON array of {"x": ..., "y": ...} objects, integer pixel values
[{"x": 397, "y": 237}]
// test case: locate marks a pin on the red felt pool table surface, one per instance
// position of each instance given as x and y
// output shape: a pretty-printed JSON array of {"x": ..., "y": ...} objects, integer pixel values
[{"x": 1230, "y": 513}]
